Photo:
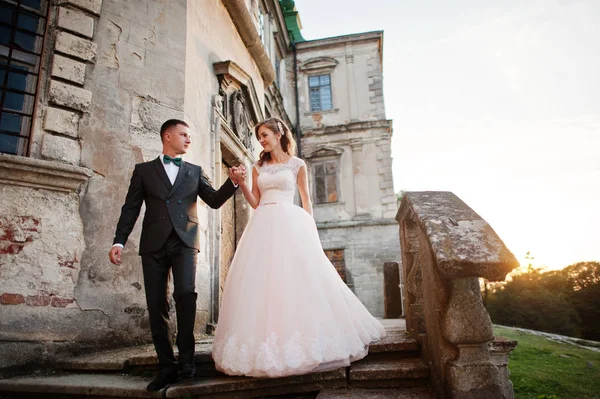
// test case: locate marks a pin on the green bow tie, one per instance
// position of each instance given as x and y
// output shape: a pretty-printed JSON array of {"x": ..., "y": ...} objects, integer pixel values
[{"x": 176, "y": 161}]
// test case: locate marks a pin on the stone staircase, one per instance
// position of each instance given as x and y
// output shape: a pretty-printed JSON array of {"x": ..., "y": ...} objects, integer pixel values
[{"x": 393, "y": 369}]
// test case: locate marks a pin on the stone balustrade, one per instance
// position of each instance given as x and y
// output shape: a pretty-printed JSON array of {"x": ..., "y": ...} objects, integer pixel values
[{"x": 446, "y": 248}]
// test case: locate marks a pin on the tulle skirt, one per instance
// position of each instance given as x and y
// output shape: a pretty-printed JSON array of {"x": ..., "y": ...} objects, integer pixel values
[{"x": 285, "y": 309}]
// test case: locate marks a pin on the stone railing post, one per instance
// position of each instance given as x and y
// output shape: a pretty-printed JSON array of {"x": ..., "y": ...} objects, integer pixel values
[{"x": 446, "y": 248}]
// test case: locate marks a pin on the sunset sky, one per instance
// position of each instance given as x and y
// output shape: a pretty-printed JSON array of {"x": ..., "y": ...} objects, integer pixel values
[{"x": 496, "y": 101}]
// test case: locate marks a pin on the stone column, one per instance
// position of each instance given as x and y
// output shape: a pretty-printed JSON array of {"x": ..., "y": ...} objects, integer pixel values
[{"x": 468, "y": 326}]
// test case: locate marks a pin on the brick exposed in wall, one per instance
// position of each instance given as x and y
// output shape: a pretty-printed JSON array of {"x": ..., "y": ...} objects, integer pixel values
[
  {"x": 61, "y": 302},
  {"x": 37, "y": 300},
  {"x": 11, "y": 299},
  {"x": 16, "y": 231}
]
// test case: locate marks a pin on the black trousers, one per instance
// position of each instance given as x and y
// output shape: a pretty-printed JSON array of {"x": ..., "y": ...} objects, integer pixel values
[{"x": 182, "y": 260}]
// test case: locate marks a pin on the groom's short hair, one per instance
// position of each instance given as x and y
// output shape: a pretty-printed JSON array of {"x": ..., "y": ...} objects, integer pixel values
[{"x": 171, "y": 123}]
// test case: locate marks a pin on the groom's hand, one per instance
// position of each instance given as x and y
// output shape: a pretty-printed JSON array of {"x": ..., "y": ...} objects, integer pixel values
[
  {"x": 233, "y": 176},
  {"x": 237, "y": 174},
  {"x": 240, "y": 174},
  {"x": 115, "y": 255}
]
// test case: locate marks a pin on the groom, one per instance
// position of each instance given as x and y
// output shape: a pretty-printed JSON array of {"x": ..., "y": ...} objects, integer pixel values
[{"x": 170, "y": 240}]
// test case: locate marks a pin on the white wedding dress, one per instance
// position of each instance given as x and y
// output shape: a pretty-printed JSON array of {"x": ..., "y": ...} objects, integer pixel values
[{"x": 285, "y": 309}]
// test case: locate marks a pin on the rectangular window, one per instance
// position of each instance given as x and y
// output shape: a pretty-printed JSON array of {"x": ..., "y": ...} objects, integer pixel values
[
  {"x": 22, "y": 29},
  {"x": 320, "y": 92},
  {"x": 326, "y": 182}
]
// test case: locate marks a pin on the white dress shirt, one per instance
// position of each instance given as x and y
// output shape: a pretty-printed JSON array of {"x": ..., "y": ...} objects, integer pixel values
[{"x": 170, "y": 168}]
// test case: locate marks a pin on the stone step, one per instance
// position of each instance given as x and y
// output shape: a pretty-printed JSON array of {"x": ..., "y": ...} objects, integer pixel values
[
  {"x": 243, "y": 387},
  {"x": 362, "y": 393},
  {"x": 128, "y": 386},
  {"x": 143, "y": 357},
  {"x": 125, "y": 359},
  {"x": 389, "y": 373},
  {"x": 391, "y": 363},
  {"x": 77, "y": 385},
  {"x": 395, "y": 341}
]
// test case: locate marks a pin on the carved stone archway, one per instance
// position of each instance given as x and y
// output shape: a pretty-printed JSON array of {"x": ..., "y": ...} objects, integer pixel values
[{"x": 236, "y": 110}]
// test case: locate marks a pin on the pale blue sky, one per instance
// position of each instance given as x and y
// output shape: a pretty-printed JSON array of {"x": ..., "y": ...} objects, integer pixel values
[{"x": 496, "y": 101}]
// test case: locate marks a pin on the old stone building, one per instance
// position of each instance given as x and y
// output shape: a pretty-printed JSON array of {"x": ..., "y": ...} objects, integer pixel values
[
  {"x": 346, "y": 143},
  {"x": 85, "y": 86}
]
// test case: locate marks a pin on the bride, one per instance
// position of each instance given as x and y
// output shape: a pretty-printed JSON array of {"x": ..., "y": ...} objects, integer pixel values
[{"x": 285, "y": 309}]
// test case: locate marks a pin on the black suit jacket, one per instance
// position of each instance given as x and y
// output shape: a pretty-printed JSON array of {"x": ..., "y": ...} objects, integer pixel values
[{"x": 167, "y": 206}]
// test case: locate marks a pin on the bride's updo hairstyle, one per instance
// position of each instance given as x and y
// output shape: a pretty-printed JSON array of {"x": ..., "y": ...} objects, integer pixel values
[{"x": 277, "y": 126}]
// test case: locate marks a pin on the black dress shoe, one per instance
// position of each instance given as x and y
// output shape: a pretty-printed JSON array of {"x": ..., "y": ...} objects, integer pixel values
[
  {"x": 187, "y": 371},
  {"x": 162, "y": 380}
]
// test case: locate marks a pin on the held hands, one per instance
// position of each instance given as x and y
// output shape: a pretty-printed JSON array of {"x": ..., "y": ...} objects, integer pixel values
[
  {"x": 115, "y": 255},
  {"x": 237, "y": 174}
]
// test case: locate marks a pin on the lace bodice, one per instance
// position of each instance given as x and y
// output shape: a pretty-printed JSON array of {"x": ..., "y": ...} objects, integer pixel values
[{"x": 277, "y": 182}]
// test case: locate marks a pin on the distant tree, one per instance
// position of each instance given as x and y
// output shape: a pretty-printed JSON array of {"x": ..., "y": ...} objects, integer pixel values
[
  {"x": 584, "y": 278},
  {"x": 526, "y": 301},
  {"x": 563, "y": 301},
  {"x": 583, "y": 274}
]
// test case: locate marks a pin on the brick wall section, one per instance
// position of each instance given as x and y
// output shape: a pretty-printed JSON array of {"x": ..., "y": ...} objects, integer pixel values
[
  {"x": 336, "y": 257},
  {"x": 67, "y": 97},
  {"x": 36, "y": 300},
  {"x": 16, "y": 232}
]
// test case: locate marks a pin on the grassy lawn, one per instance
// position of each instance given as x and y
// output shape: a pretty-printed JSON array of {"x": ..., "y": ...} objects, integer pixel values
[{"x": 546, "y": 369}]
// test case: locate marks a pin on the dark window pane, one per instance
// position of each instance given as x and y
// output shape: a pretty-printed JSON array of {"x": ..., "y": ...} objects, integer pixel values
[
  {"x": 25, "y": 41},
  {"x": 28, "y": 22},
  {"x": 17, "y": 81},
  {"x": 9, "y": 144},
  {"x": 35, "y": 4},
  {"x": 4, "y": 35},
  {"x": 10, "y": 122},
  {"x": 14, "y": 101},
  {"x": 320, "y": 189},
  {"x": 331, "y": 188},
  {"x": 2, "y": 75},
  {"x": 319, "y": 169},
  {"x": 331, "y": 167},
  {"x": 6, "y": 13}
]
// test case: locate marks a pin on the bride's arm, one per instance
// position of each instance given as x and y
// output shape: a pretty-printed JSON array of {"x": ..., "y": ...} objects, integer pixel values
[
  {"x": 303, "y": 188},
  {"x": 253, "y": 197}
]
